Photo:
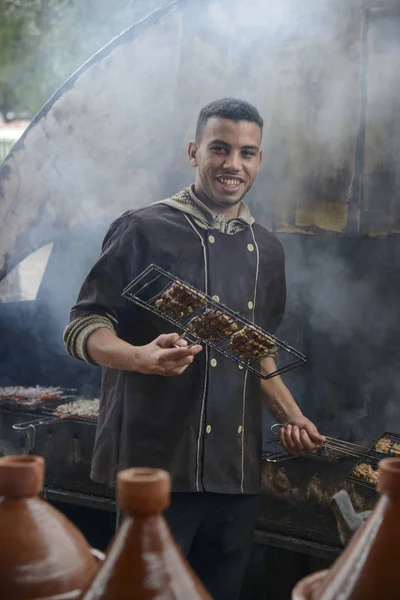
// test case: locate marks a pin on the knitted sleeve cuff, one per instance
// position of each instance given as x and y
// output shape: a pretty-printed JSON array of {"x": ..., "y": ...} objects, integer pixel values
[{"x": 77, "y": 333}]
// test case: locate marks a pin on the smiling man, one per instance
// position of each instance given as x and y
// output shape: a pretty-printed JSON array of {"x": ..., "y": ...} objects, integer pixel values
[
  {"x": 227, "y": 155},
  {"x": 190, "y": 410}
]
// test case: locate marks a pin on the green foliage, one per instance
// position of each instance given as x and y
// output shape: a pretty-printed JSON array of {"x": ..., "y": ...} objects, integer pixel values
[{"x": 42, "y": 42}]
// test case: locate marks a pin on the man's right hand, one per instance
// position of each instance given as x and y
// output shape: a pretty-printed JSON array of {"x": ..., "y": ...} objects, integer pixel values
[
  {"x": 156, "y": 358},
  {"x": 159, "y": 358}
]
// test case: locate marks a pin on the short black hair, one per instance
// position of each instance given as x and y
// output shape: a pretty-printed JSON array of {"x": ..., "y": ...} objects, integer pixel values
[{"x": 228, "y": 108}]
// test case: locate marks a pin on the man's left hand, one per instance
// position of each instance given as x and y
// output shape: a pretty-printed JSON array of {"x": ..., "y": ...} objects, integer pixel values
[{"x": 300, "y": 436}]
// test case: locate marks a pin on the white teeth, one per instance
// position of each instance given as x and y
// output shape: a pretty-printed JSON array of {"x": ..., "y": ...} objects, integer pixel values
[{"x": 231, "y": 182}]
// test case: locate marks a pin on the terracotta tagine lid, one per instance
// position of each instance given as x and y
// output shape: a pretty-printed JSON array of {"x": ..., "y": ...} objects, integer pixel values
[
  {"x": 143, "y": 561},
  {"x": 42, "y": 554},
  {"x": 368, "y": 569}
]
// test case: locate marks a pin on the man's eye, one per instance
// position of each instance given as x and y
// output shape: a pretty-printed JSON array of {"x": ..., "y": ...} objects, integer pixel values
[
  {"x": 248, "y": 153},
  {"x": 219, "y": 149}
]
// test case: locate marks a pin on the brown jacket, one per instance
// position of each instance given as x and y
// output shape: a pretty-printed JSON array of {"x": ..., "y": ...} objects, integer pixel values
[{"x": 204, "y": 426}]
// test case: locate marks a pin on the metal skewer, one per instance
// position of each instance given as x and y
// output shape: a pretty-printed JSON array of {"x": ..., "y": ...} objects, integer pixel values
[{"x": 345, "y": 451}]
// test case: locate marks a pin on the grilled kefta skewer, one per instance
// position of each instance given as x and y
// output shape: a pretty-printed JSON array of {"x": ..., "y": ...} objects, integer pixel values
[
  {"x": 213, "y": 325},
  {"x": 250, "y": 344},
  {"x": 178, "y": 301}
]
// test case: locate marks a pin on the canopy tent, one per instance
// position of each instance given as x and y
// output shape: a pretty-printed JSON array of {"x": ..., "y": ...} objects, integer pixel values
[{"x": 324, "y": 75}]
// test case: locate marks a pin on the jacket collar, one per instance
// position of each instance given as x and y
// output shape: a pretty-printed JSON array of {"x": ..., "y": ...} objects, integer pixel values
[{"x": 187, "y": 202}]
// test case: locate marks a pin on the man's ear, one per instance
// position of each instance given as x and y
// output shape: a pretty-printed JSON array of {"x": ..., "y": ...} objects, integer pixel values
[
  {"x": 261, "y": 159},
  {"x": 192, "y": 153}
]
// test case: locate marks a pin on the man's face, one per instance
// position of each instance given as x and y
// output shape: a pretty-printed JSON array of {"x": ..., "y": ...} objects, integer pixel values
[{"x": 228, "y": 158}]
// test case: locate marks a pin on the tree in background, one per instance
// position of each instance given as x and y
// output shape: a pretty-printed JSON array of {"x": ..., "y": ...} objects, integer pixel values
[{"x": 42, "y": 42}]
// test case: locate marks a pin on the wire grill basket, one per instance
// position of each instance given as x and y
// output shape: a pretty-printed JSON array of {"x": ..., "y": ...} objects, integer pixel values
[
  {"x": 203, "y": 320},
  {"x": 372, "y": 458}
]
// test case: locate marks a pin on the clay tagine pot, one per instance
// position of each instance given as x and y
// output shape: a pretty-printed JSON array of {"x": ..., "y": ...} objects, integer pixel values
[
  {"x": 368, "y": 569},
  {"x": 143, "y": 562},
  {"x": 42, "y": 554}
]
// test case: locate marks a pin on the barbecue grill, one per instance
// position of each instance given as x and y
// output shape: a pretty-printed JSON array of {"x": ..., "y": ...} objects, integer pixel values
[
  {"x": 295, "y": 515},
  {"x": 149, "y": 288},
  {"x": 298, "y": 490},
  {"x": 339, "y": 450},
  {"x": 296, "y": 509},
  {"x": 19, "y": 397},
  {"x": 333, "y": 449},
  {"x": 65, "y": 442},
  {"x": 52, "y": 407}
]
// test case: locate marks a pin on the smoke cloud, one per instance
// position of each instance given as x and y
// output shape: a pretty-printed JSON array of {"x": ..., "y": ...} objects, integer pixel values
[{"x": 325, "y": 76}]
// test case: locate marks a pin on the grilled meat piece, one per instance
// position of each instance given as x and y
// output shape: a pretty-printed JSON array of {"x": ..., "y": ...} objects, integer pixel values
[
  {"x": 386, "y": 446},
  {"x": 213, "y": 325},
  {"x": 178, "y": 301},
  {"x": 383, "y": 445},
  {"x": 366, "y": 473},
  {"x": 395, "y": 449},
  {"x": 250, "y": 344},
  {"x": 79, "y": 408}
]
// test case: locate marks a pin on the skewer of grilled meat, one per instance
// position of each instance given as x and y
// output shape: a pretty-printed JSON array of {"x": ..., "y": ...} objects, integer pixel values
[
  {"x": 250, "y": 344},
  {"x": 178, "y": 301},
  {"x": 213, "y": 325}
]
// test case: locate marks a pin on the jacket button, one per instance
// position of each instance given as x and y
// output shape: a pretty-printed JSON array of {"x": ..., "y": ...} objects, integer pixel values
[
  {"x": 213, "y": 362},
  {"x": 208, "y": 429},
  {"x": 211, "y": 239},
  {"x": 216, "y": 298},
  {"x": 240, "y": 429},
  {"x": 250, "y": 247},
  {"x": 250, "y": 305},
  {"x": 240, "y": 367}
]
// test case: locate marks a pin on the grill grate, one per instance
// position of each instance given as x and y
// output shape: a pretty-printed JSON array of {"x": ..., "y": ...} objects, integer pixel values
[
  {"x": 148, "y": 288},
  {"x": 41, "y": 409}
]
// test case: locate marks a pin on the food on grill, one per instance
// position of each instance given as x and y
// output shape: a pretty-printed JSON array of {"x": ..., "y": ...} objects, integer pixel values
[
  {"x": 88, "y": 409},
  {"x": 395, "y": 449},
  {"x": 213, "y": 325},
  {"x": 383, "y": 445},
  {"x": 386, "y": 446},
  {"x": 30, "y": 396},
  {"x": 366, "y": 473},
  {"x": 250, "y": 344},
  {"x": 179, "y": 300}
]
